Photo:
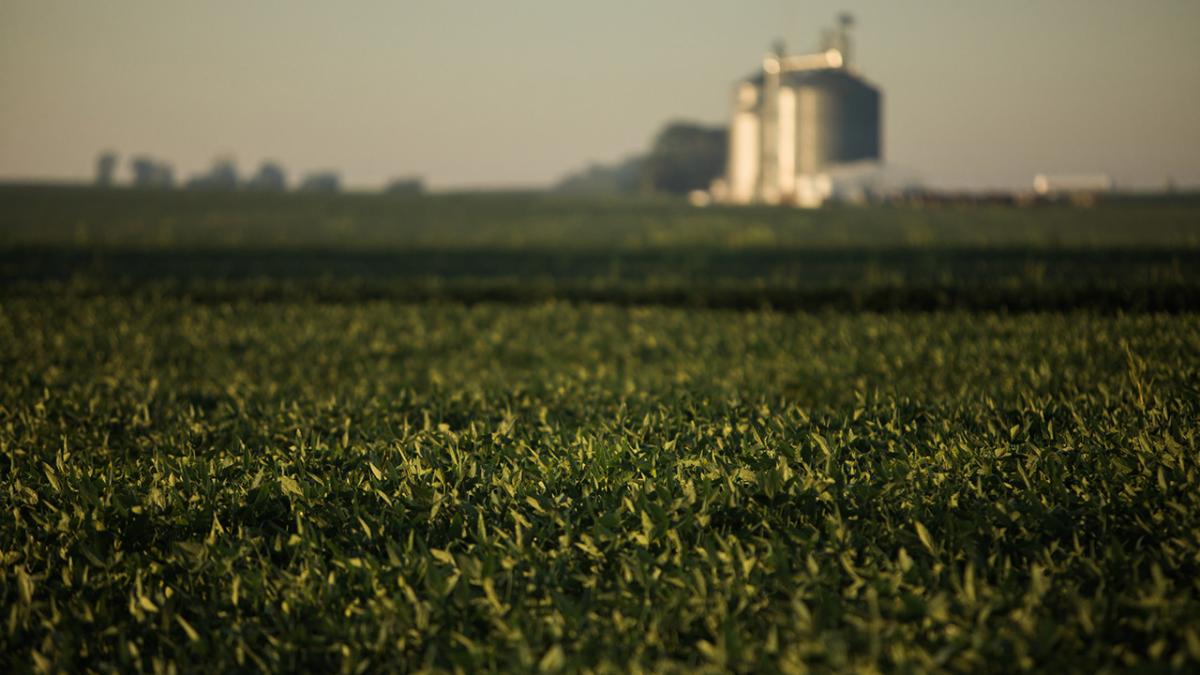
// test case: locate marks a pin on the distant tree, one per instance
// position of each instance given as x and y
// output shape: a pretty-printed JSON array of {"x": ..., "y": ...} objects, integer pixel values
[
  {"x": 270, "y": 178},
  {"x": 406, "y": 186},
  {"x": 222, "y": 176},
  {"x": 106, "y": 169},
  {"x": 685, "y": 157},
  {"x": 151, "y": 173},
  {"x": 599, "y": 179},
  {"x": 143, "y": 171},
  {"x": 166, "y": 175},
  {"x": 321, "y": 181}
]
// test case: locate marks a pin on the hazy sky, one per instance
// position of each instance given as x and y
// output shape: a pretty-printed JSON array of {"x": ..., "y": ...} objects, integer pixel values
[{"x": 518, "y": 92}]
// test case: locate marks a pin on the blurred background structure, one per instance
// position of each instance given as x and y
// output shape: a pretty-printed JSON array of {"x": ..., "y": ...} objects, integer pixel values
[{"x": 798, "y": 118}]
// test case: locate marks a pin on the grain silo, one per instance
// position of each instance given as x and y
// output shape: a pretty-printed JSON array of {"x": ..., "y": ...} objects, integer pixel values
[{"x": 801, "y": 115}]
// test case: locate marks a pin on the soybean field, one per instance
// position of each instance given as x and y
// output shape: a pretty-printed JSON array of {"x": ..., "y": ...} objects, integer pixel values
[{"x": 518, "y": 433}]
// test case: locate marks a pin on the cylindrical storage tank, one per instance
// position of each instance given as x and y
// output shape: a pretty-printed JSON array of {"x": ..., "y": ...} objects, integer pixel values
[
  {"x": 745, "y": 148},
  {"x": 744, "y": 155},
  {"x": 837, "y": 119}
]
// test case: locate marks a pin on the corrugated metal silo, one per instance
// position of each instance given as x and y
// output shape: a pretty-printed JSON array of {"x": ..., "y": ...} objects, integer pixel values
[{"x": 837, "y": 119}]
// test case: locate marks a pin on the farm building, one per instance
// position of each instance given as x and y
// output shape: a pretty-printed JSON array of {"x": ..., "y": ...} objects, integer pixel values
[{"x": 797, "y": 119}]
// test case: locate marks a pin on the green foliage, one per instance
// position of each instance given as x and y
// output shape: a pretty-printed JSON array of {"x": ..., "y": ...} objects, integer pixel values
[
  {"x": 295, "y": 485},
  {"x": 685, "y": 157}
]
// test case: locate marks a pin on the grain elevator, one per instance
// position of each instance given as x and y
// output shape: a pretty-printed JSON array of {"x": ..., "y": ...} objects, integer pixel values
[{"x": 797, "y": 119}]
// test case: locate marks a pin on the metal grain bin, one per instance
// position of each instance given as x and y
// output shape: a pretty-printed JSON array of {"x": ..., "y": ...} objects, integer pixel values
[{"x": 837, "y": 119}]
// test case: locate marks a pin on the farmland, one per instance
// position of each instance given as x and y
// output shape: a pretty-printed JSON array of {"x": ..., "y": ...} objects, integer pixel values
[{"x": 257, "y": 432}]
